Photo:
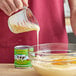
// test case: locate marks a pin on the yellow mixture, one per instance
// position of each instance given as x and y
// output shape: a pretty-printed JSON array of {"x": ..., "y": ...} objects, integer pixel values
[
  {"x": 26, "y": 28},
  {"x": 59, "y": 67}
]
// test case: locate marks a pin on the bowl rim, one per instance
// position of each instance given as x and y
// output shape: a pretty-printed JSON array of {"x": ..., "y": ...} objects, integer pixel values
[
  {"x": 54, "y": 44},
  {"x": 68, "y": 53}
]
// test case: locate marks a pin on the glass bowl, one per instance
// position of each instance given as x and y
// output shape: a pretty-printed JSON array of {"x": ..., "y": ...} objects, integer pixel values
[{"x": 54, "y": 59}]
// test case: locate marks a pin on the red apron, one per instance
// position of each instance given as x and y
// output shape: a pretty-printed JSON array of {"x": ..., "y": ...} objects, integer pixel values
[{"x": 50, "y": 15}]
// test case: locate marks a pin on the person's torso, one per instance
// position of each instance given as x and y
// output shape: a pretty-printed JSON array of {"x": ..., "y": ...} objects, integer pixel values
[{"x": 50, "y": 15}]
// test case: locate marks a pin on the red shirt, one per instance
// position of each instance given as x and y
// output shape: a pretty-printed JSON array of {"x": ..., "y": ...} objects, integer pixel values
[{"x": 50, "y": 15}]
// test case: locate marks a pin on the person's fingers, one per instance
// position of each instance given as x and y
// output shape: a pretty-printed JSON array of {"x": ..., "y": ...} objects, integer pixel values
[
  {"x": 12, "y": 5},
  {"x": 18, "y": 4},
  {"x": 5, "y": 7},
  {"x": 25, "y": 2},
  {"x": 5, "y": 11}
]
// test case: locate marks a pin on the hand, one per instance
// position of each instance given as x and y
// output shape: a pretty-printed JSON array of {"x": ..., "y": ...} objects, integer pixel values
[
  {"x": 72, "y": 4},
  {"x": 11, "y": 6}
]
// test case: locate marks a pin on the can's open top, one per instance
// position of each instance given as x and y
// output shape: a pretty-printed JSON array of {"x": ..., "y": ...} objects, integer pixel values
[{"x": 22, "y": 47}]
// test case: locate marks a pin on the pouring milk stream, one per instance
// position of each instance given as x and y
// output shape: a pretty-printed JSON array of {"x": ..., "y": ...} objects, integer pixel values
[{"x": 24, "y": 21}]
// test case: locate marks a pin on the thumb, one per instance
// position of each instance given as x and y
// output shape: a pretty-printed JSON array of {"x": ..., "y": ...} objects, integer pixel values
[{"x": 25, "y": 3}]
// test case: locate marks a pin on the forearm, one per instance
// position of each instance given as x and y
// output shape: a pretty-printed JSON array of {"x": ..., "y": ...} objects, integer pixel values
[{"x": 72, "y": 4}]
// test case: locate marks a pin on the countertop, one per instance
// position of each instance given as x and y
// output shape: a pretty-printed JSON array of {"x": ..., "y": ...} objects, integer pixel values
[{"x": 10, "y": 70}]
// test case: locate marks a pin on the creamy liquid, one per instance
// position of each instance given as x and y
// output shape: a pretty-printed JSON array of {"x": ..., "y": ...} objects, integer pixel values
[
  {"x": 52, "y": 70},
  {"x": 37, "y": 40},
  {"x": 24, "y": 28},
  {"x": 48, "y": 69}
]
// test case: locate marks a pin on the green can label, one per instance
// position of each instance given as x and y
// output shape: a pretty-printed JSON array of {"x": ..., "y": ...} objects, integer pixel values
[{"x": 21, "y": 58}]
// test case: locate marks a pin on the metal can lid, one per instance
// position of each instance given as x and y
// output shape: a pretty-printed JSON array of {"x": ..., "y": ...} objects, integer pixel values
[{"x": 22, "y": 47}]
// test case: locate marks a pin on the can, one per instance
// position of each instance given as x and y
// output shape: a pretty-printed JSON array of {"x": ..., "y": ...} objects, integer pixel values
[{"x": 21, "y": 57}]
